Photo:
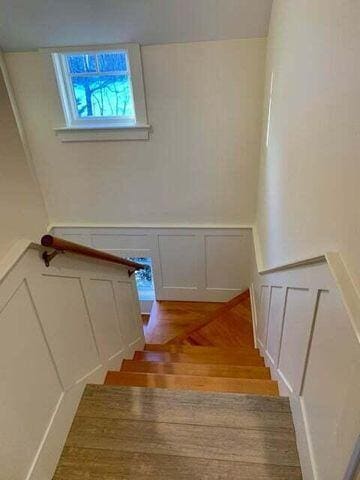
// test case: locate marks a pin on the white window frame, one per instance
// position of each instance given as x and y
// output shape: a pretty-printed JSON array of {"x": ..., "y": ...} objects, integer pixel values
[{"x": 101, "y": 128}]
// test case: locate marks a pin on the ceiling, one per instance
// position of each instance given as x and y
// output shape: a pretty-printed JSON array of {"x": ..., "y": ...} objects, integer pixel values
[{"x": 31, "y": 24}]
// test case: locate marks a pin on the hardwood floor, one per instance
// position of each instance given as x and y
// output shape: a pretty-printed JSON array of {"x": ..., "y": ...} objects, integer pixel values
[
  {"x": 171, "y": 319},
  {"x": 142, "y": 433}
]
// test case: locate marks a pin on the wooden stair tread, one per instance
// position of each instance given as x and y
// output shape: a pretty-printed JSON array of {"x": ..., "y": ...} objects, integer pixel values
[
  {"x": 215, "y": 384},
  {"x": 203, "y": 369},
  {"x": 135, "y": 433},
  {"x": 176, "y": 348},
  {"x": 217, "y": 358}
]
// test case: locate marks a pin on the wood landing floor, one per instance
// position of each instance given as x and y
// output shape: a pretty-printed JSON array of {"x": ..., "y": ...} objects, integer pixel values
[
  {"x": 170, "y": 319},
  {"x": 143, "y": 433}
]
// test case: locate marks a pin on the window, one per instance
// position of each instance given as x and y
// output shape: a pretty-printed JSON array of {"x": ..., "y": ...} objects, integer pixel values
[
  {"x": 101, "y": 88},
  {"x": 144, "y": 283}
]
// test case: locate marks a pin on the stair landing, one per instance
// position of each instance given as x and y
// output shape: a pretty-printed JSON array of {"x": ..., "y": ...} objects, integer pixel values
[{"x": 128, "y": 433}]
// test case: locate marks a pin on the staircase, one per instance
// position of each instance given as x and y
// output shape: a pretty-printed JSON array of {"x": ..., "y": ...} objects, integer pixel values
[
  {"x": 201, "y": 406},
  {"x": 209, "y": 357},
  {"x": 198, "y": 368}
]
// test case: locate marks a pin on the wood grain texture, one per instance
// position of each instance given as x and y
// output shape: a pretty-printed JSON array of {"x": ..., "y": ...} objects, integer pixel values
[
  {"x": 234, "y": 328},
  {"x": 176, "y": 348},
  {"x": 191, "y": 407},
  {"x": 170, "y": 319},
  {"x": 213, "y": 443},
  {"x": 217, "y": 358},
  {"x": 202, "y": 369},
  {"x": 128, "y": 433},
  {"x": 94, "y": 464},
  {"x": 63, "y": 245},
  {"x": 229, "y": 325},
  {"x": 207, "y": 384}
]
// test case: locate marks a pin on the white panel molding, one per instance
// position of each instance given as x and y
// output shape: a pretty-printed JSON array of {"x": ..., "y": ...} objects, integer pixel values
[
  {"x": 184, "y": 268},
  {"x": 155, "y": 226},
  {"x": 33, "y": 298},
  {"x": 274, "y": 357},
  {"x": 314, "y": 363}
]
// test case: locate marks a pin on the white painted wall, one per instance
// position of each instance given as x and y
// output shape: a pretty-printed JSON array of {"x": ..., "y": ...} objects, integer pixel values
[
  {"x": 195, "y": 264},
  {"x": 60, "y": 328},
  {"x": 310, "y": 172},
  {"x": 199, "y": 167},
  {"x": 22, "y": 209},
  {"x": 310, "y": 338}
]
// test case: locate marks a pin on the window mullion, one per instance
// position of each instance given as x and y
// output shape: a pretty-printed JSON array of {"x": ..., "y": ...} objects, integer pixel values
[{"x": 97, "y": 63}]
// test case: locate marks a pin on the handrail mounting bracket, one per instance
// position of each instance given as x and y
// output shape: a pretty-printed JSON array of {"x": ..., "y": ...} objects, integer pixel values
[{"x": 47, "y": 257}]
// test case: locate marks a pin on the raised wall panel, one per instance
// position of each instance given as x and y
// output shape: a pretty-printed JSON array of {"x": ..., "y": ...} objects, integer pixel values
[
  {"x": 127, "y": 314},
  {"x": 63, "y": 314},
  {"x": 331, "y": 392},
  {"x": 120, "y": 241},
  {"x": 103, "y": 312},
  {"x": 29, "y": 386},
  {"x": 51, "y": 322},
  {"x": 319, "y": 361},
  {"x": 264, "y": 309},
  {"x": 83, "y": 239},
  {"x": 179, "y": 259},
  {"x": 193, "y": 263},
  {"x": 227, "y": 262},
  {"x": 275, "y": 322},
  {"x": 298, "y": 317}
]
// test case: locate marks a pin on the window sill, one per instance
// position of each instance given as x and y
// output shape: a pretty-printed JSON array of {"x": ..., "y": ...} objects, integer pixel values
[{"x": 103, "y": 134}]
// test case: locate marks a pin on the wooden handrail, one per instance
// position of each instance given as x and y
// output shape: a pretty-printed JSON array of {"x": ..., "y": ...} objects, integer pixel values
[{"x": 62, "y": 245}]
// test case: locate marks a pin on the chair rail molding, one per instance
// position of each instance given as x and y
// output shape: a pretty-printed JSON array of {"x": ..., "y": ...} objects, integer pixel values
[{"x": 61, "y": 327}]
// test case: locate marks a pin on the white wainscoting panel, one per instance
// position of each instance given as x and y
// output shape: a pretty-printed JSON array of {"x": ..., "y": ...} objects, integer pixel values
[
  {"x": 125, "y": 296},
  {"x": 175, "y": 273},
  {"x": 65, "y": 319},
  {"x": 298, "y": 316},
  {"x": 227, "y": 261},
  {"x": 60, "y": 328},
  {"x": 332, "y": 379},
  {"x": 107, "y": 328},
  {"x": 263, "y": 317},
  {"x": 198, "y": 264},
  {"x": 311, "y": 343},
  {"x": 119, "y": 242},
  {"x": 26, "y": 368},
  {"x": 275, "y": 323}
]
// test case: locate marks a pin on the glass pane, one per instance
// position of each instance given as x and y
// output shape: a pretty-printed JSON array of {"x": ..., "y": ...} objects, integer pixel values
[
  {"x": 112, "y": 62},
  {"x": 81, "y": 63},
  {"x": 103, "y": 96},
  {"x": 144, "y": 280}
]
